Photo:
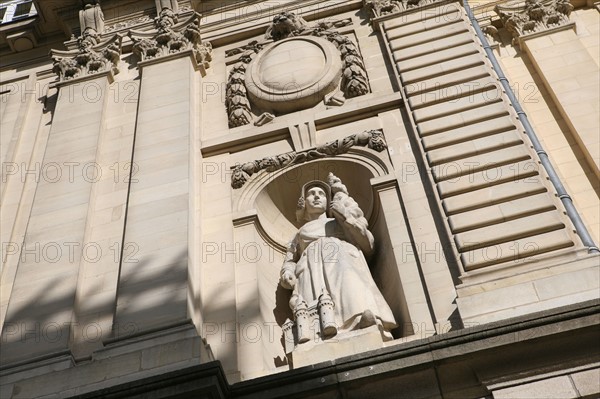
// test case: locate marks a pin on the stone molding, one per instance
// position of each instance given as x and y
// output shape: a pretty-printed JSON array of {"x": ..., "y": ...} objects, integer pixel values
[
  {"x": 287, "y": 25},
  {"x": 372, "y": 139},
  {"x": 171, "y": 37},
  {"x": 90, "y": 58},
  {"x": 533, "y": 16}
]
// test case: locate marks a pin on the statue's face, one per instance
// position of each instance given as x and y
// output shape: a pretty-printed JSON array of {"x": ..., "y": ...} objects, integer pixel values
[{"x": 315, "y": 200}]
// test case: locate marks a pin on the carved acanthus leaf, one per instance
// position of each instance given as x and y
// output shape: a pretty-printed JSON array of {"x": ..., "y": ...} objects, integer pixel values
[
  {"x": 521, "y": 18},
  {"x": 372, "y": 139},
  {"x": 91, "y": 57},
  {"x": 379, "y": 8},
  {"x": 171, "y": 37}
]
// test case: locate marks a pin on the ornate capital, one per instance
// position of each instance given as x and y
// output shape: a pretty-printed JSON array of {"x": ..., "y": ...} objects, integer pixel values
[
  {"x": 372, "y": 139},
  {"x": 171, "y": 37},
  {"x": 521, "y": 18},
  {"x": 91, "y": 57},
  {"x": 380, "y": 8}
]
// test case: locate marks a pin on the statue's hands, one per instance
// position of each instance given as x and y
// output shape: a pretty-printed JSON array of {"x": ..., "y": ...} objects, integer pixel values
[
  {"x": 338, "y": 210},
  {"x": 288, "y": 279}
]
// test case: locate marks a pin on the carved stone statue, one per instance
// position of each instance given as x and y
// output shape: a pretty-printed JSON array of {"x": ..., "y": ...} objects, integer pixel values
[
  {"x": 170, "y": 4},
  {"x": 285, "y": 24},
  {"x": 91, "y": 18},
  {"x": 325, "y": 266}
]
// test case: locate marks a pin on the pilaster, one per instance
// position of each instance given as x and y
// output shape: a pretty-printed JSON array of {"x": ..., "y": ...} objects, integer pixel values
[
  {"x": 57, "y": 239},
  {"x": 154, "y": 285}
]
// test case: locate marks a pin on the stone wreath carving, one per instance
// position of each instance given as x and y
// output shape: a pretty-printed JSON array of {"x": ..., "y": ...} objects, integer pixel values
[
  {"x": 170, "y": 38},
  {"x": 372, "y": 139},
  {"x": 534, "y": 16},
  {"x": 379, "y": 8},
  {"x": 354, "y": 80}
]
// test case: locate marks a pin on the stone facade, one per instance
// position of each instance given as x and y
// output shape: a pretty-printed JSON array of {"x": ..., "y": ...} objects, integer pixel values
[{"x": 152, "y": 163}]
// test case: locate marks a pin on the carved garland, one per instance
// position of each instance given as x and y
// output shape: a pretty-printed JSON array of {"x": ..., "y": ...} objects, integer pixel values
[
  {"x": 237, "y": 103},
  {"x": 372, "y": 139},
  {"x": 354, "y": 78}
]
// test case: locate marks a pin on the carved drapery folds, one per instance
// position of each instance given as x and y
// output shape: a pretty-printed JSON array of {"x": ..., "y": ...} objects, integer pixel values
[
  {"x": 379, "y": 8},
  {"x": 372, "y": 139},
  {"x": 287, "y": 25},
  {"x": 91, "y": 18},
  {"x": 91, "y": 56},
  {"x": 171, "y": 37},
  {"x": 521, "y": 18}
]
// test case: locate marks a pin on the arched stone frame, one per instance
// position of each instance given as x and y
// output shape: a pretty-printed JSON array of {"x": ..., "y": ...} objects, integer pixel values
[{"x": 264, "y": 221}]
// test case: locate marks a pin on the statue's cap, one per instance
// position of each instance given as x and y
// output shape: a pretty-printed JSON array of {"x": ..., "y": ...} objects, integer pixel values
[{"x": 300, "y": 216}]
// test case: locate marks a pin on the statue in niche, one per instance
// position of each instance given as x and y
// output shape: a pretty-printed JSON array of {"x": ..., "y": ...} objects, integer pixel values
[
  {"x": 91, "y": 18},
  {"x": 326, "y": 269}
]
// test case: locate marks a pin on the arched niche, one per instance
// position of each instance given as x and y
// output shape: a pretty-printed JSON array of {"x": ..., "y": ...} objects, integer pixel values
[{"x": 266, "y": 208}]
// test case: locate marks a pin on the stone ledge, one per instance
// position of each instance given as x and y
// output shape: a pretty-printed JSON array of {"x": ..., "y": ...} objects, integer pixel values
[{"x": 490, "y": 352}]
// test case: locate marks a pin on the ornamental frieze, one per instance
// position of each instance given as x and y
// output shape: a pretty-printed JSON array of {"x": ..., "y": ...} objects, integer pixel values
[{"x": 372, "y": 139}]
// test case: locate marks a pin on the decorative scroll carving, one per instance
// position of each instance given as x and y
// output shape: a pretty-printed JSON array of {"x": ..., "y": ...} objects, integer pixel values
[
  {"x": 285, "y": 25},
  {"x": 534, "y": 15},
  {"x": 253, "y": 45},
  {"x": 91, "y": 56},
  {"x": 372, "y": 139},
  {"x": 171, "y": 37},
  {"x": 379, "y": 8}
]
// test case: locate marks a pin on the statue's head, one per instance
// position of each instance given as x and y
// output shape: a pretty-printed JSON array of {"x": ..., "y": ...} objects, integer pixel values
[
  {"x": 314, "y": 200},
  {"x": 89, "y": 3}
]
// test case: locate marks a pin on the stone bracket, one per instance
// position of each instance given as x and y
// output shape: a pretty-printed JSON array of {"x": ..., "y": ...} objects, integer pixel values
[{"x": 304, "y": 135}]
